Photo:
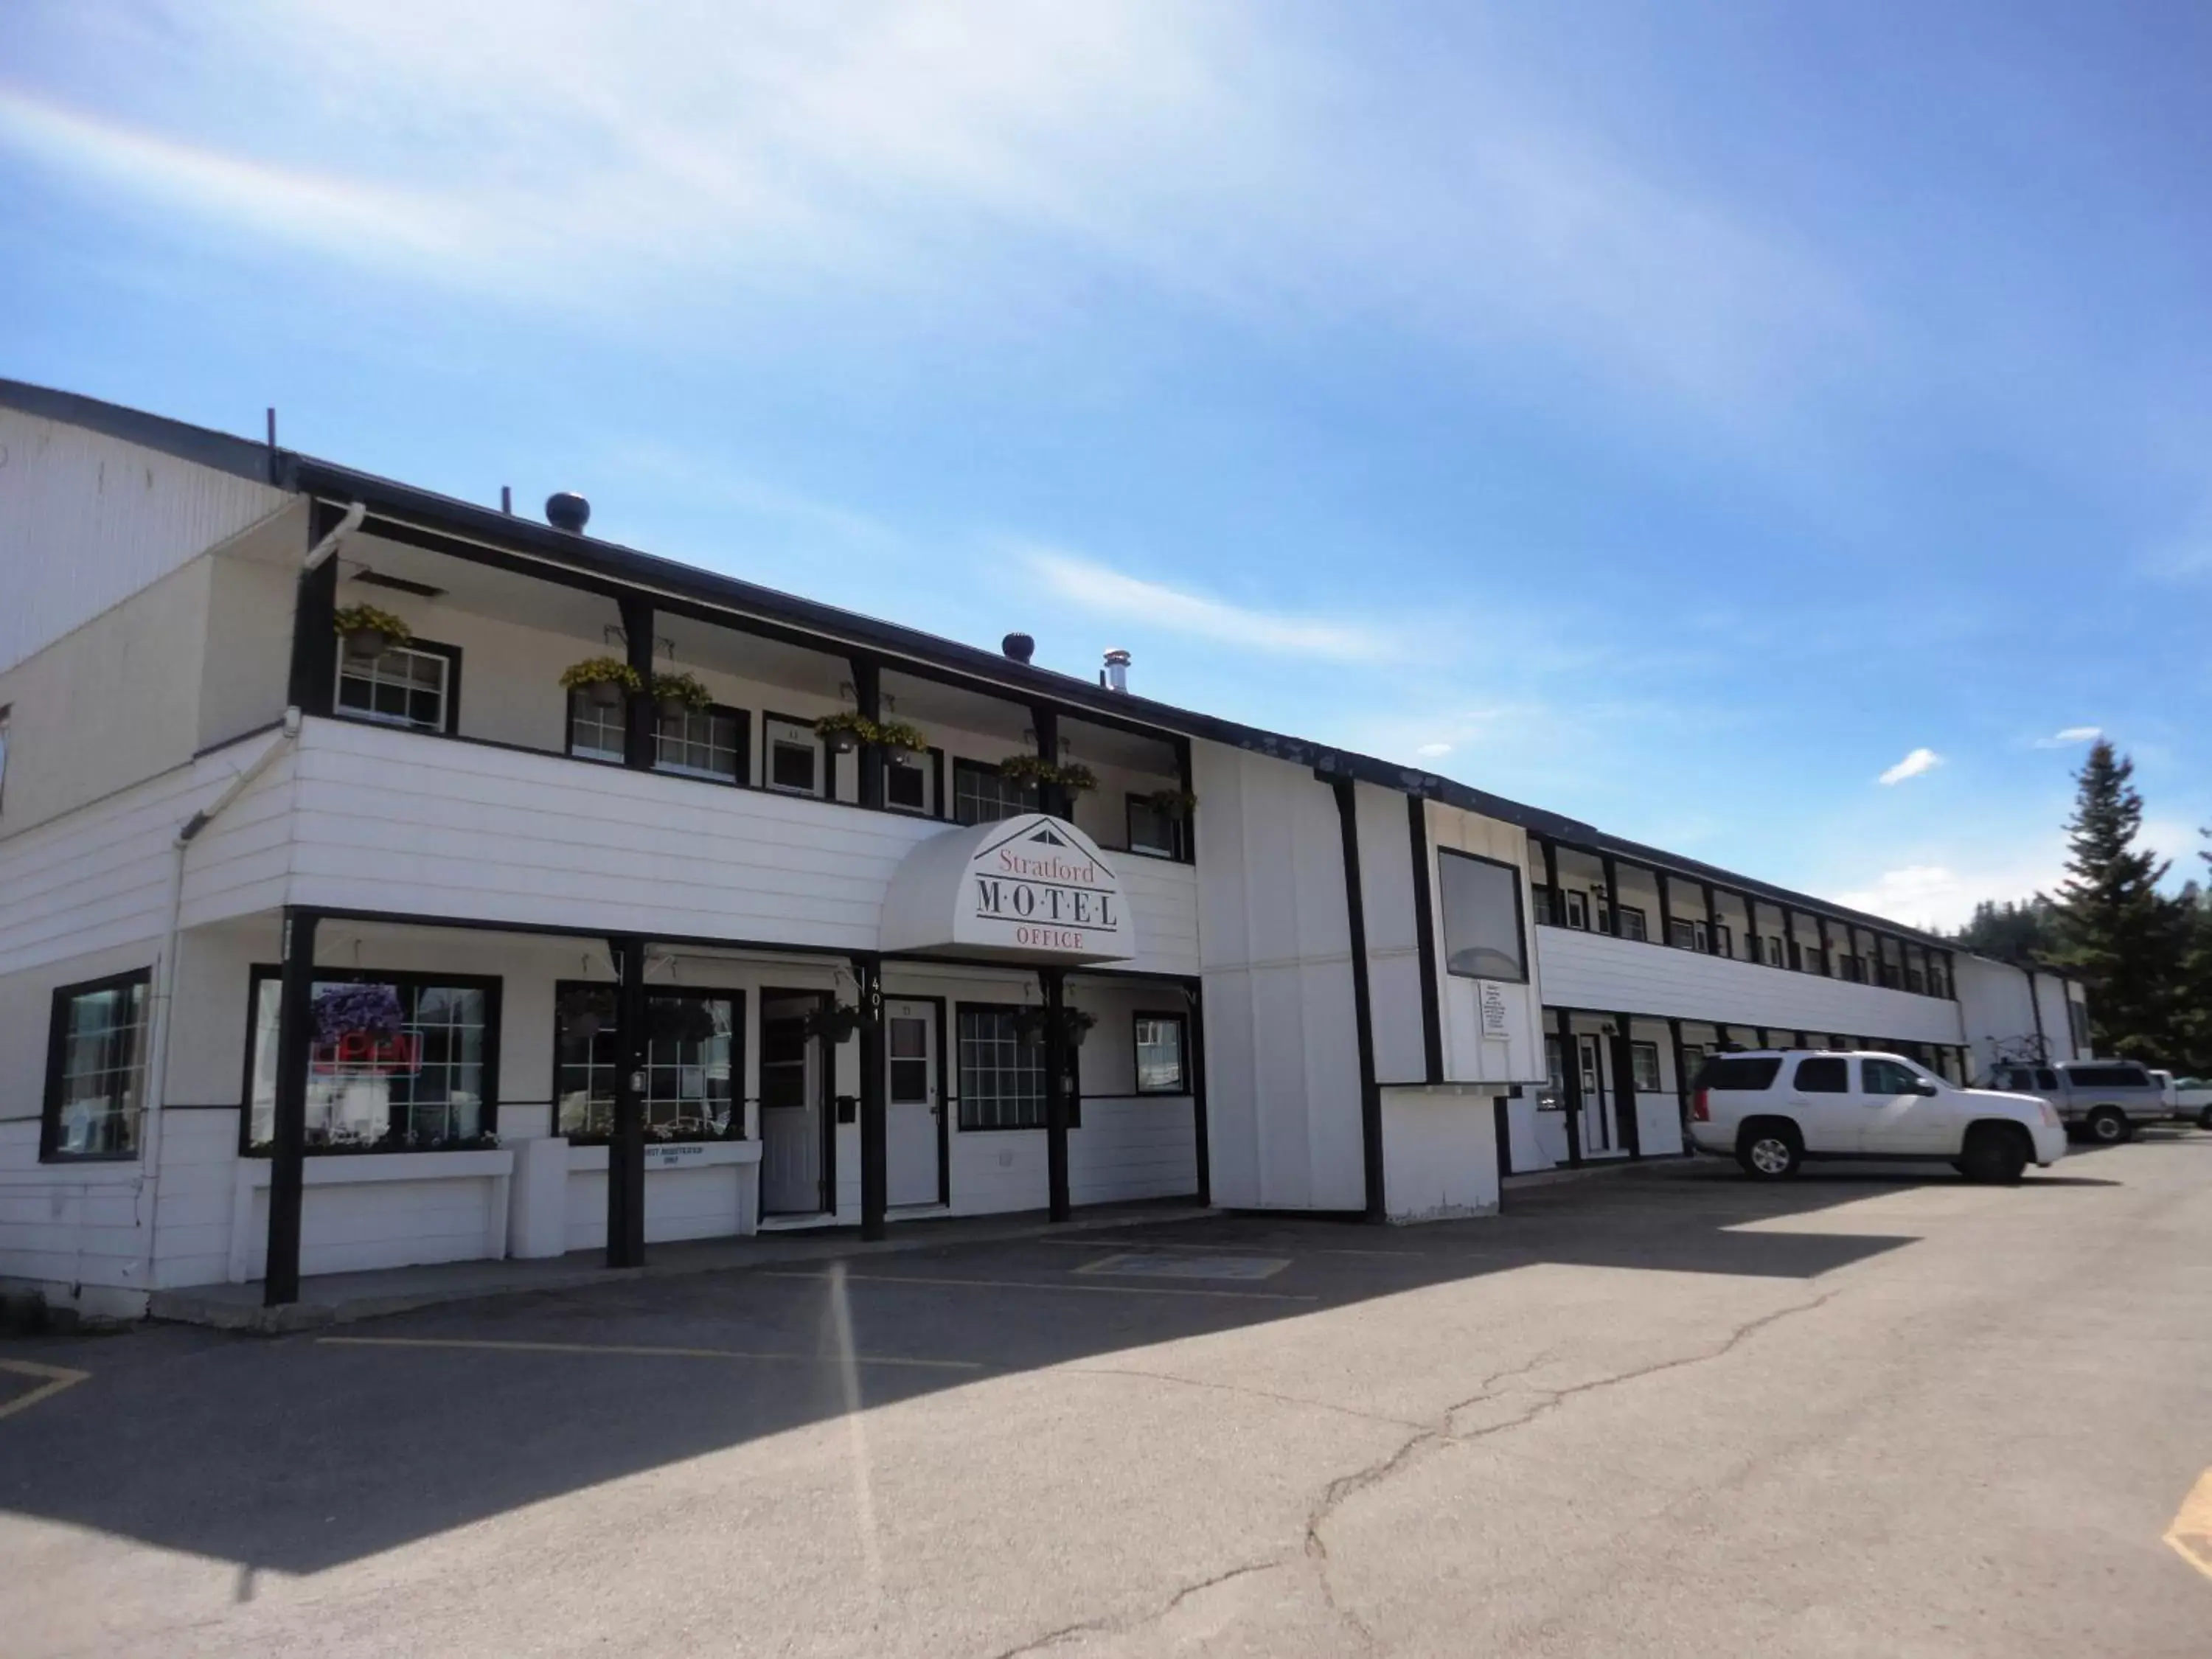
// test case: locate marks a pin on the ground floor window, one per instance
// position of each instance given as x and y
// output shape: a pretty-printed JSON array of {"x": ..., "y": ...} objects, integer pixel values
[
  {"x": 1001, "y": 1070},
  {"x": 1554, "y": 1097},
  {"x": 95, "y": 1069},
  {"x": 1693, "y": 1057},
  {"x": 694, "y": 1058},
  {"x": 1644, "y": 1059},
  {"x": 396, "y": 1062},
  {"x": 1163, "y": 1041}
]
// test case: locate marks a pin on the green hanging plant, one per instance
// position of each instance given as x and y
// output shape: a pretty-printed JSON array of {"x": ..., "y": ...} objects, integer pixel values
[
  {"x": 904, "y": 745},
  {"x": 1075, "y": 777},
  {"x": 1033, "y": 771},
  {"x": 604, "y": 678},
  {"x": 1177, "y": 804},
  {"x": 677, "y": 692},
  {"x": 845, "y": 731},
  {"x": 368, "y": 633}
]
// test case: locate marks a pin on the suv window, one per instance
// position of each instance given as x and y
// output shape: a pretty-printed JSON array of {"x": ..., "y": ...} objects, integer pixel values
[
  {"x": 1825, "y": 1074},
  {"x": 2015, "y": 1078},
  {"x": 2108, "y": 1076},
  {"x": 2046, "y": 1077},
  {"x": 1886, "y": 1077},
  {"x": 1745, "y": 1073}
]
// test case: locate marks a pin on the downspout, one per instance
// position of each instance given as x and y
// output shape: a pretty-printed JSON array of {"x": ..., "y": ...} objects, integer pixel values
[
  {"x": 344, "y": 527},
  {"x": 165, "y": 976}
]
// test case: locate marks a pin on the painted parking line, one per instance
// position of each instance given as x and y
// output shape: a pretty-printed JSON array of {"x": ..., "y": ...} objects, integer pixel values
[
  {"x": 2191, "y": 1534},
  {"x": 1168, "y": 1264},
  {"x": 638, "y": 1351},
  {"x": 53, "y": 1379},
  {"x": 1046, "y": 1285}
]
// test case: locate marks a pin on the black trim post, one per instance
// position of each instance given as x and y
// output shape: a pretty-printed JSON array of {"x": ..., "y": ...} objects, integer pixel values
[
  {"x": 287, "y": 1161},
  {"x": 1053, "y": 983},
  {"x": 1750, "y": 929},
  {"x": 1712, "y": 920},
  {"x": 868, "y": 693},
  {"x": 641, "y": 722},
  {"x": 1044, "y": 720},
  {"x": 1827, "y": 950},
  {"x": 1681, "y": 1072},
  {"x": 1570, "y": 1075},
  {"x": 1791, "y": 954},
  {"x": 1501, "y": 1127},
  {"x": 1190, "y": 792},
  {"x": 875, "y": 1154},
  {"x": 1557, "y": 904},
  {"x": 1624, "y": 1088},
  {"x": 626, "y": 1145},
  {"x": 1196, "y": 990},
  {"x": 314, "y": 678},
  {"x": 1425, "y": 940},
  {"x": 1362, "y": 1015},
  {"x": 1611, "y": 894},
  {"x": 1666, "y": 885}
]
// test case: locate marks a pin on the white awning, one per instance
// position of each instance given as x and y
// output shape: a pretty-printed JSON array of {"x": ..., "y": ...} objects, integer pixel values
[{"x": 1028, "y": 889}]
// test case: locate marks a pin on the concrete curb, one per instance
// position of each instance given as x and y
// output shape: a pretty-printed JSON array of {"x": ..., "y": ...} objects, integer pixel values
[{"x": 327, "y": 1301}]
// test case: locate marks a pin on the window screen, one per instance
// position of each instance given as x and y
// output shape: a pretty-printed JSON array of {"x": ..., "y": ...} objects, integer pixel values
[
  {"x": 1825, "y": 1074},
  {"x": 1481, "y": 904}
]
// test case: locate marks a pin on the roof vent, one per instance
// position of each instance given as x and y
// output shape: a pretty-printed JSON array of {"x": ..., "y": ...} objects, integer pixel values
[
  {"x": 1018, "y": 647},
  {"x": 567, "y": 511},
  {"x": 1114, "y": 675}
]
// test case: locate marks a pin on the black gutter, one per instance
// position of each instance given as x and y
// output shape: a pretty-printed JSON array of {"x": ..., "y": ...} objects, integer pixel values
[{"x": 1363, "y": 1019}]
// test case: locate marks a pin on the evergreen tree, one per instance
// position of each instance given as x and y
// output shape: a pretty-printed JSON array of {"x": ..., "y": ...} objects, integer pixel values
[
  {"x": 2026, "y": 934},
  {"x": 2193, "y": 1018},
  {"x": 2122, "y": 937}
]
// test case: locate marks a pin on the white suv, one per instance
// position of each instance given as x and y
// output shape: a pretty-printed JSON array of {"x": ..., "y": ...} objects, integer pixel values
[{"x": 1773, "y": 1109}]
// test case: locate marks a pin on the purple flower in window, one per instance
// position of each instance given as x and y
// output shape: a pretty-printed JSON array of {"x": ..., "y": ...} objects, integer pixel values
[{"x": 343, "y": 1011}]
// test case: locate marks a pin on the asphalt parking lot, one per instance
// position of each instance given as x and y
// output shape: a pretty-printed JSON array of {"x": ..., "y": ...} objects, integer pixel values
[{"x": 1656, "y": 1412}]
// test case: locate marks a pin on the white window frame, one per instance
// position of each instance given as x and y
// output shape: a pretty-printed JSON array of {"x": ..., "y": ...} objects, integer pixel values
[
  {"x": 781, "y": 731},
  {"x": 402, "y": 722}
]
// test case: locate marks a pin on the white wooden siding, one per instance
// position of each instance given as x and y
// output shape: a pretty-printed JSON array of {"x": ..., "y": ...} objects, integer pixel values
[
  {"x": 1469, "y": 1056},
  {"x": 1394, "y": 957},
  {"x": 1282, "y": 1063},
  {"x": 86, "y": 520},
  {"x": 1577, "y": 969}
]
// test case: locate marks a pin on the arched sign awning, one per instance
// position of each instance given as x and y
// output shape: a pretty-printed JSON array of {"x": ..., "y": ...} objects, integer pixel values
[{"x": 1028, "y": 889}]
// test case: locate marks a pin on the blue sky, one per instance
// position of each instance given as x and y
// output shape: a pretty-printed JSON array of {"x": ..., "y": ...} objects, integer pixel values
[{"x": 1684, "y": 417}]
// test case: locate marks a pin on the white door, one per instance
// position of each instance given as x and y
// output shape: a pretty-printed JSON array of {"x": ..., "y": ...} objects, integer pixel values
[
  {"x": 1896, "y": 1117},
  {"x": 1597, "y": 1116},
  {"x": 910, "y": 1102},
  {"x": 791, "y": 1109}
]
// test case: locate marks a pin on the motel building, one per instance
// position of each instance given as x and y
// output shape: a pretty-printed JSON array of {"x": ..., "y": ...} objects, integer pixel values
[{"x": 572, "y": 900}]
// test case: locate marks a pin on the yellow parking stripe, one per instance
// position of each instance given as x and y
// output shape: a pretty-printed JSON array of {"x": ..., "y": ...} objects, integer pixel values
[
  {"x": 643, "y": 1353},
  {"x": 1043, "y": 1284},
  {"x": 58, "y": 1378},
  {"x": 2191, "y": 1534}
]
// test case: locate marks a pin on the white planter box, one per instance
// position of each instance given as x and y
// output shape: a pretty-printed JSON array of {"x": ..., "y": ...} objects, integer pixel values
[
  {"x": 693, "y": 1189},
  {"x": 367, "y": 1210}
]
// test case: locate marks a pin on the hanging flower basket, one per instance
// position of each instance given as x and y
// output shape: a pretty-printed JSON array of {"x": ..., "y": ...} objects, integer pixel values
[
  {"x": 833, "y": 1022},
  {"x": 902, "y": 745},
  {"x": 585, "y": 1011},
  {"x": 1075, "y": 778},
  {"x": 368, "y": 633},
  {"x": 1175, "y": 804},
  {"x": 1075, "y": 1024},
  {"x": 677, "y": 693},
  {"x": 603, "y": 679},
  {"x": 845, "y": 731},
  {"x": 680, "y": 1019},
  {"x": 356, "y": 1011},
  {"x": 1031, "y": 771}
]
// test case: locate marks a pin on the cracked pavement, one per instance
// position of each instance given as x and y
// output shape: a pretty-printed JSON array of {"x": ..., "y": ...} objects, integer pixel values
[{"x": 1659, "y": 1412}]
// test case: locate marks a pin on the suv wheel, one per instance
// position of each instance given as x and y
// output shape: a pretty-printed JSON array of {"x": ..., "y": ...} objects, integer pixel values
[
  {"x": 1995, "y": 1153},
  {"x": 1769, "y": 1150},
  {"x": 2109, "y": 1126}
]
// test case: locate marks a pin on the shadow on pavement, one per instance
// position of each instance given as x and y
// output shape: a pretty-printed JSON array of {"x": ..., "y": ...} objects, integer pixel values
[{"x": 298, "y": 1453}]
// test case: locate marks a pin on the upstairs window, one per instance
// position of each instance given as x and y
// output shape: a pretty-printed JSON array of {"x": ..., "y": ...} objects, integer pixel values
[
  {"x": 1772, "y": 946},
  {"x": 1687, "y": 934},
  {"x": 794, "y": 756},
  {"x": 1631, "y": 923},
  {"x": 1151, "y": 831},
  {"x": 911, "y": 788},
  {"x": 980, "y": 795},
  {"x": 703, "y": 743},
  {"x": 95, "y": 1070},
  {"x": 415, "y": 685},
  {"x": 1481, "y": 899},
  {"x": 595, "y": 729},
  {"x": 1723, "y": 944}
]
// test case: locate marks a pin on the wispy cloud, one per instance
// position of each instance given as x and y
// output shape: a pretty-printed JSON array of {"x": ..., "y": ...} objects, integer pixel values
[
  {"x": 1433, "y": 750},
  {"x": 1919, "y": 761},
  {"x": 2069, "y": 737},
  {"x": 707, "y": 480},
  {"x": 1943, "y": 895},
  {"x": 1109, "y": 592}
]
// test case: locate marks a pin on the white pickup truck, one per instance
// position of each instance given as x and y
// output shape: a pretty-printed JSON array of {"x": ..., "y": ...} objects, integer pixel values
[{"x": 2187, "y": 1098}]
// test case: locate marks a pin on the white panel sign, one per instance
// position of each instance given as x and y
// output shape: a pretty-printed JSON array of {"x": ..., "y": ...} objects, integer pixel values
[
  {"x": 1492, "y": 997},
  {"x": 1029, "y": 888}
]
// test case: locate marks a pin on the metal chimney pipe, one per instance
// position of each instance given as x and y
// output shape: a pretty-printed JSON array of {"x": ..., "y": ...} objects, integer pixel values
[{"x": 1116, "y": 675}]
